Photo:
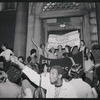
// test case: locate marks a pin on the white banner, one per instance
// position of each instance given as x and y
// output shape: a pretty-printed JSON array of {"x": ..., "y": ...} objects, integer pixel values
[{"x": 71, "y": 39}]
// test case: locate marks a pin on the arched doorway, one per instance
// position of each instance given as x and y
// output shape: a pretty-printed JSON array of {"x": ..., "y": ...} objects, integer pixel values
[{"x": 49, "y": 15}]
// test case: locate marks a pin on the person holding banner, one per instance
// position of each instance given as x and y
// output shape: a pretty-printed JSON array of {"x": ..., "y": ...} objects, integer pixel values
[
  {"x": 6, "y": 55},
  {"x": 67, "y": 52},
  {"x": 51, "y": 53},
  {"x": 83, "y": 47},
  {"x": 41, "y": 49},
  {"x": 55, "y": 86},
  {"x": 59, "y": 53},
  {"x": 89, "y": 66}
]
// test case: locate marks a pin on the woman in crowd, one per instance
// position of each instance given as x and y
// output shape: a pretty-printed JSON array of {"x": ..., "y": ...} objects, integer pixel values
[
  {"x": 59, "y": 52},
  {"x": 51, "y": 54},
  {"x": 40, "y": 49},
  {"x": 34, "y": 60},
  {"x": 67, "y": 52},
  {"x": 89, "y": 66},
  {"x": 6, "y": 54},
  {"x": 82, "y": 47}
]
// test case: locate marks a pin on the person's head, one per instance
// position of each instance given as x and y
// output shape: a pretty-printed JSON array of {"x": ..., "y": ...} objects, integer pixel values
[
  {"x": 4, "y": 46},
  {"x": 33, "y": 52},
  {"x": 3, "y": 75},
  {"x": 76, "y": 71},
  {"x": 29, "y": 59},
  {"x": 56, "y": 74},
  {"x": 67, "y": 48},
  {"x": 86, "y": 53},
  {"x": 59, "y": 47},
  {"x": 42, "y": 46},
  {"x": 21, "y": 59},
  {"x": 82, "y": 43},
  {"x": 52, "y": 50}
]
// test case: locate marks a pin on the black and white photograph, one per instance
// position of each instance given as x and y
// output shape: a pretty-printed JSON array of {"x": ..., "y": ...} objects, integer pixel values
[{"x": 49, "y": 49}]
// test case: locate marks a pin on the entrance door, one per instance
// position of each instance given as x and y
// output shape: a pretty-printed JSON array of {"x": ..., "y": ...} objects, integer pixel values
[{"x": 52, "y": 26}]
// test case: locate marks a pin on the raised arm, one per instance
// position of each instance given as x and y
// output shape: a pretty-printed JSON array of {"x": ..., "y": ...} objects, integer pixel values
[
  {"x": 35, "y": 43},
  {"x": 1, "y": 54},
  {"x": 46, "y": 49},
  {"x": 31, "y": 74},
  {"x": 15, "y": 60}
]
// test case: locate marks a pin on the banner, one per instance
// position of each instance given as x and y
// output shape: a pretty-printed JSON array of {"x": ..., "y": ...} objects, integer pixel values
[
  {"x": 71, "y": 39},
  {"x": 66, "y": 63}
]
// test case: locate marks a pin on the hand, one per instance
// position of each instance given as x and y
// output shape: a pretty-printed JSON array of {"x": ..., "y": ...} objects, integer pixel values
[
  {"x": 97, "y": 65},
  {"x": 14, "y": 59}
]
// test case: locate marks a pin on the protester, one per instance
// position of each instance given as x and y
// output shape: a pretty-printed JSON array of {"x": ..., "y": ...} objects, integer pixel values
[
  {"x": 6, "y": 54},
  {"x": 56, "y": 82},
  {"x": 59, "y": 52},
  {"x": 84, "y": 90},
  {"x": 89, "y": 66},
  {"x": 67, "y": 52},
  {"x": 21, "y": 59},
  {"x": 51, "y": 53},
  {"x": 96, "y": 54},
  {"x": 34, "y": 61},
  {"x": 82, "y": 47},
  {"x": 9, "y": 89},
  {"x": 41, "y": 49},
  {"x": 74, "y": 50}
]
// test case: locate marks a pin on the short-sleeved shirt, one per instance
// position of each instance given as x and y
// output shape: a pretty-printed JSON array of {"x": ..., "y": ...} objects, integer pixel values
[{"x": 6, "y": 54}]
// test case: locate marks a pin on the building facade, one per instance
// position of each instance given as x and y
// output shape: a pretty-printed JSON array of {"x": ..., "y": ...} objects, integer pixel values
[{"x": 38, "y": 20}]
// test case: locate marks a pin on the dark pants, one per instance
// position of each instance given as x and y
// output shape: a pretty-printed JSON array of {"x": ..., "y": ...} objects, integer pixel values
[
  {"x": 87, "y": 80},
  {"x": 98, "y": 72},
  {"x": 6, "y": 65}
]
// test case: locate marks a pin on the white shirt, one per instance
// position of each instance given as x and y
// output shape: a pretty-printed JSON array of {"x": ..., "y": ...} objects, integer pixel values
[
  {"x": 82, "y": 48},
  {"x": 83, "y": 89},
  {"x": 88, "y": 65},
  {"x": 52, "y": 56},
  {"x": 6, "y": 54},
  {"x": 67, "y": 90},
  {"x": 9, "y": 90}
]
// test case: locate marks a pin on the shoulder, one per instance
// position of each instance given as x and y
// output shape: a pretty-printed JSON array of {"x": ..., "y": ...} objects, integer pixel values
[
  {"x": 8, "y": 50},
  {"x": 68, "y": 85},
  {"x": 25, "y": 84}
]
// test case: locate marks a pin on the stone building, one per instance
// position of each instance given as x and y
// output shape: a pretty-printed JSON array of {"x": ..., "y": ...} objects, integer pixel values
[{"x": 38, "y": 19}]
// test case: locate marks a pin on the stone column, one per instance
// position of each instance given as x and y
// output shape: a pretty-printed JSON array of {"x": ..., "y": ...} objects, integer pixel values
[
  {"x": 98, "y": 21},
  {"x": 37, "y": 30},
  {"x": 1, "y": 6},
  {"x": 20, "y": 37},
  {"x": 86, "y": 31}
]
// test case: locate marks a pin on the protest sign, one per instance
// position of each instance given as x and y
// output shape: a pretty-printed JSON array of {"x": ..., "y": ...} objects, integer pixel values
[
  {"x": 71, "y": 39},
  {"x": 66, "y": 62}
]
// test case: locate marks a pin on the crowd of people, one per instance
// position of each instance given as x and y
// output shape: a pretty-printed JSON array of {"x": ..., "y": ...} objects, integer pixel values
[{"x": 25, "y": 78}]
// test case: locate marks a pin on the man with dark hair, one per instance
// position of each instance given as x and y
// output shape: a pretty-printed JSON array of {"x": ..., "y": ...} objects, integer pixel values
[
  {"x": 32, "y": 51},
  {"x": 55, "y": 85},
  {"x": 34, "y": 60}
]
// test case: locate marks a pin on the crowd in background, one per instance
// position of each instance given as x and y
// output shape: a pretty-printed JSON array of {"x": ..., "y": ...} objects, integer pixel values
[{"x": 25, "y": 78}]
